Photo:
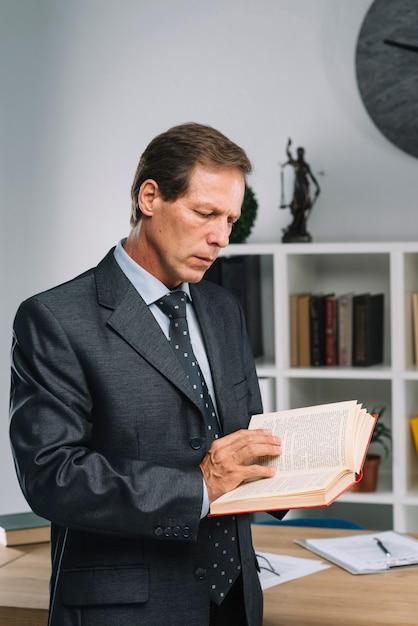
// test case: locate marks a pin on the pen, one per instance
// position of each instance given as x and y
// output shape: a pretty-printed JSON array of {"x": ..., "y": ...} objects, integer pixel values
[{"x": 382, "y": 546}]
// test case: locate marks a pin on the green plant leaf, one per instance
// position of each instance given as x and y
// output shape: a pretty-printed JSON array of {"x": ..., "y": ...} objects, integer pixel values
[{"x": 243, "y": 227}]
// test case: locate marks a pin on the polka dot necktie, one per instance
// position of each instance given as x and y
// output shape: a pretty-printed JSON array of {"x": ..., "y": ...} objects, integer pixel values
[{"x": 224, "y": 566}]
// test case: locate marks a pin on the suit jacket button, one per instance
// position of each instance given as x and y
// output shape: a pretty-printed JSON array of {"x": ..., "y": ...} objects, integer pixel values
[
  {"x": 200, "y": 573},
  {"x": 158, "y": 531},
  {"x": 176, "y": 531},
  {"x": 167, "y": 531},
  {"x": 196, "y": 443},
  {"x": 186, "y": 532}
]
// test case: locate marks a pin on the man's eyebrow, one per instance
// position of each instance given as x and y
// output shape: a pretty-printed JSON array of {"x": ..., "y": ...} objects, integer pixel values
[
  {"x": 212, "y": 207},
  {"x": 207, "y": 205}
]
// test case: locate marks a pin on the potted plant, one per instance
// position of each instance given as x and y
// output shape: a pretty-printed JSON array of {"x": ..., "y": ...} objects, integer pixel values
[
  {"x": 382, "y": 437},
  {"x": 243, "y": 227}
]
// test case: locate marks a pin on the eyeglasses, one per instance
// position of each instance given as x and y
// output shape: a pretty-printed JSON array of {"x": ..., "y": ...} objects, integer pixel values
[{"x": 270, "y": 568}]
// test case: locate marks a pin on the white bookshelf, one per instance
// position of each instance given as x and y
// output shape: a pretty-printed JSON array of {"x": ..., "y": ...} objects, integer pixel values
[{"x": 389, "y": 268}]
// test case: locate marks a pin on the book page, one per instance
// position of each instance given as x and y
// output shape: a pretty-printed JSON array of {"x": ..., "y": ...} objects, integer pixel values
[
  {"x": 283, "y": 484},
  {"x": 363, "y": 434},
  {"x": 312, "y": 438}
]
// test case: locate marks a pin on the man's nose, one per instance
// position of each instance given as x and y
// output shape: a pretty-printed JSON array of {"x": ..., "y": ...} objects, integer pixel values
[{"x": 220, "y": 233}]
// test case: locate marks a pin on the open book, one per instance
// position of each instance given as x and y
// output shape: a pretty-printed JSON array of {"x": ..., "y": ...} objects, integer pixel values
[{"x": 323, "y": 450}]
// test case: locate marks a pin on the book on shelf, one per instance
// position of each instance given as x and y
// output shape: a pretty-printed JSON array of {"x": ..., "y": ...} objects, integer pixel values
[
  {"x": 323, "y": 451},
  {"x": 294, "y": 331},
  {"x": 345, "y": 329},
  {"x": 23, "y": 528},
  {"x": 366, "y": 553},
  {"x": 367, "y": 329},
  {"x": 317, "y": 313},
  {"x": 304, "y": 330},
  {"x": 331, "y": 331},
  {"x": 415, "y": 325},
  {"x": 413, "y": 421}
]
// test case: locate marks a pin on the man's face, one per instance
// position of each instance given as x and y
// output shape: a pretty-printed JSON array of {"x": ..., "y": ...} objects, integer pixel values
[{"x": 184, "y": 237}]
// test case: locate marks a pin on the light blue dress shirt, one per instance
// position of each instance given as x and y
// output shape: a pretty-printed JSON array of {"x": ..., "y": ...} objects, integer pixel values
[{"x": 151, "y": 289}]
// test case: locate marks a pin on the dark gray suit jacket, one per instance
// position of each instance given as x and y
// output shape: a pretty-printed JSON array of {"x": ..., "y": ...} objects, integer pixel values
[{"x": 107, "y": 439}]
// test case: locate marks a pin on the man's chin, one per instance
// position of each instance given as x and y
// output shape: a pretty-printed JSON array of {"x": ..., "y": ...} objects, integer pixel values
[
  {"x": 194, "y": 270},
  {"x": 194, "y": 274},
  {"x": 196, "y": 277}
]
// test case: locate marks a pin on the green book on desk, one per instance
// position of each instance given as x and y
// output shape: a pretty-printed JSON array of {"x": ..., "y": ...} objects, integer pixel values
[
  {"x": 369, "y": 553},
  {"x": 22, "y": 528}
]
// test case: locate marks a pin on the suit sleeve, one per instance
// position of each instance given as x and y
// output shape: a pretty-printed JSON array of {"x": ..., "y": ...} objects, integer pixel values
[
  {"x": 63, "y": 479},
  {"x": 255, "y": 404}
]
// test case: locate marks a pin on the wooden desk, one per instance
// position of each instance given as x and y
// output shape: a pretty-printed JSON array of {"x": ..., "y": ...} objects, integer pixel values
[
  {"x": 334, "y": 596},
  {"x": 24, "y": 578},
  {"x": 326, "y": 598}
]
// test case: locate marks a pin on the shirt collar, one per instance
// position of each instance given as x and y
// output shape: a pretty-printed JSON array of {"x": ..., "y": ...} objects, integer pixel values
[{"x": 148, "y": 286}]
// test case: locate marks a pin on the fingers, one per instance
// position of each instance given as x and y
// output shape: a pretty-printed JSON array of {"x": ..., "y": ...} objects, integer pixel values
[
  {"x": 245, "y": 455},
  {"x": 244, "y": 446},
  {"x": 230, "y": 460},
  {"x": 244, "y": 438},
  {"x": 254, "y": 472}
]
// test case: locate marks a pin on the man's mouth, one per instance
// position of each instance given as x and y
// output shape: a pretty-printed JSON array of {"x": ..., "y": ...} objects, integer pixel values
[{"x": 206, "y": 260}]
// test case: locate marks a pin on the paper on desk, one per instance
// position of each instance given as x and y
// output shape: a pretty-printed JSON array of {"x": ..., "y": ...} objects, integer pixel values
[
  {"x": 289, "y": 568},
  {"x": 360, "y": 554}
]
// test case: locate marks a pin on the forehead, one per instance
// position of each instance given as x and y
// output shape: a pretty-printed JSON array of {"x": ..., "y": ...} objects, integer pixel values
[{"x": 222, "y": 186}]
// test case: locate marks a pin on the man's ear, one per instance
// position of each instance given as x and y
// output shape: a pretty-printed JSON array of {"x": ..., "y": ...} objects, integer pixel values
[{"x": 148, "y": 194}]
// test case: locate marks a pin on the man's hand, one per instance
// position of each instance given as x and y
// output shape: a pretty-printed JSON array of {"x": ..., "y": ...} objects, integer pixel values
[{"x": 229, "y": 461}]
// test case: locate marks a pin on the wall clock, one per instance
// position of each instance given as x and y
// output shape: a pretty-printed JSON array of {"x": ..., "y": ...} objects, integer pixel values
[{"x": 387, "y": 70}]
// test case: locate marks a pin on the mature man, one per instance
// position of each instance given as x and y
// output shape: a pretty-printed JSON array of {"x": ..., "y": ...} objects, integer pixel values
[{"x": 132, "y": 388}]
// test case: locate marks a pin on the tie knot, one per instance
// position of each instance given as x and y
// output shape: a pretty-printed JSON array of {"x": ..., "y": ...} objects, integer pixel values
[{"x": 173, "y": 304}]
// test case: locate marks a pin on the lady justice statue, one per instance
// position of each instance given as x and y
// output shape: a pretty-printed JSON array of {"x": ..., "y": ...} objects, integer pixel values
[{"x": 301, "y": 203}]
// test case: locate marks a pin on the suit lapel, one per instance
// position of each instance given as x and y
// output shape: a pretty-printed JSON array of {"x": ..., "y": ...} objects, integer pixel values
[
  {"x": 135, "y": 324},
  {"x": 212, "y": 327}
]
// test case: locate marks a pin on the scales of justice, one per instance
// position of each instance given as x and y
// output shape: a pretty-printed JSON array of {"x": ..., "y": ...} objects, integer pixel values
[{"x": 301, "y": 203}]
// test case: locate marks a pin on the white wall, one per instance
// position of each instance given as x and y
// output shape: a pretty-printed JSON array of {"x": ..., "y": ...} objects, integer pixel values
[{"x": 87, "y": 83}]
